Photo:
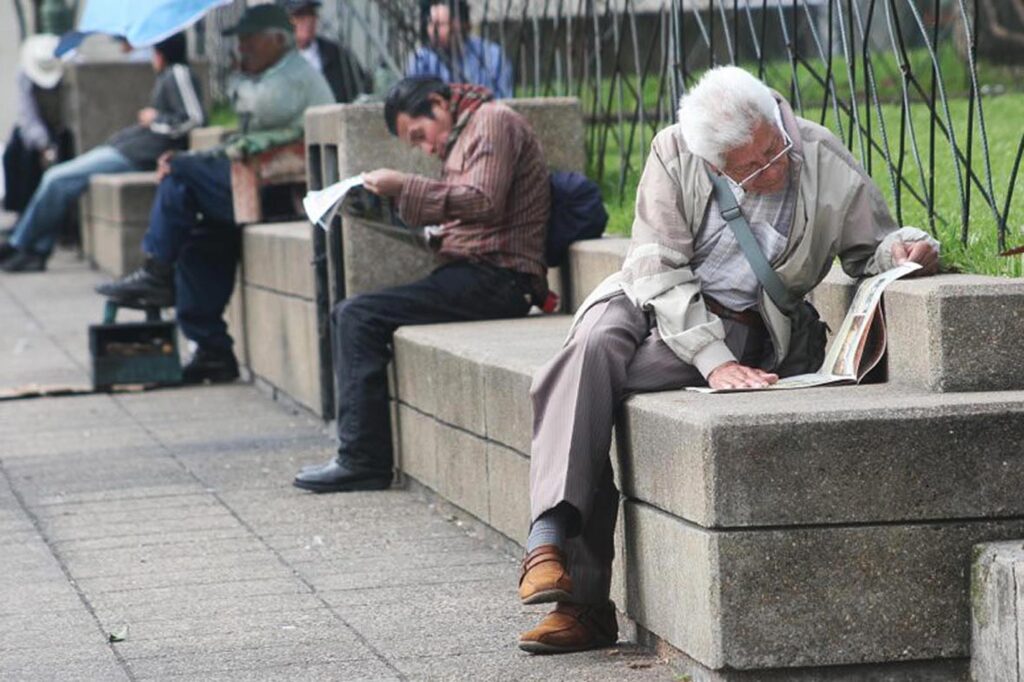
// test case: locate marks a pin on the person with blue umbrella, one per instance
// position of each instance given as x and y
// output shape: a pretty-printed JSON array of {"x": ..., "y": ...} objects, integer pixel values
[{"x": 175, "y": 108}]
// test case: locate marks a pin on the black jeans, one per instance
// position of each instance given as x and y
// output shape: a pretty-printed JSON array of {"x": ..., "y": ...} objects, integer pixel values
[{"x": 362, "y": 328}]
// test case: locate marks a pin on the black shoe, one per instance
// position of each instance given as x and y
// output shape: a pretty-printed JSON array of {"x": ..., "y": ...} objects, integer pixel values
[
  {"x": 24, "y": 261},
  {"x": 335, "y": 477},
  {"x": 6, "y": 251},
  {"x": 150, "y": 285},
  {"x": 214, "y": 365}
]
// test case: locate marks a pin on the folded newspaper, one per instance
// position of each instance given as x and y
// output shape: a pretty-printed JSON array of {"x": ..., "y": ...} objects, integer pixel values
[{"x": 858, "y": 345}]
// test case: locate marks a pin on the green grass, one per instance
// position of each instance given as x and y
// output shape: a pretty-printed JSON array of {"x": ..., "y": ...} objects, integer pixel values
[
  {"x": 223, "y": 115},
  {"x": 979, "y": 254}
]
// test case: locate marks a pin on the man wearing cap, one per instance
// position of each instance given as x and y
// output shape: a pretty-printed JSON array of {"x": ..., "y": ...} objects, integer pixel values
[
  {"x": 341, "y": 69},
  {"x": 190, "y": 261},
  {"x": 175, "y": 108}
]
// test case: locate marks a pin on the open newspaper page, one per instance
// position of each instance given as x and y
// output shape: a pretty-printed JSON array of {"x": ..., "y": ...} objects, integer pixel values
[
  {"x": 858, "y": 345},
  {"x": 322, "y": 205}
]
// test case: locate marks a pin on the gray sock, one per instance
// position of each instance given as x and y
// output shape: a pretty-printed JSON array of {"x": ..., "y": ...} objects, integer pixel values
[{"x": 548, "y": 529}]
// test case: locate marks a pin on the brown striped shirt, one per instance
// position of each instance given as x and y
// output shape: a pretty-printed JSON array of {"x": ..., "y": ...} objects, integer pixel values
[{"x": 495, "y": 183}]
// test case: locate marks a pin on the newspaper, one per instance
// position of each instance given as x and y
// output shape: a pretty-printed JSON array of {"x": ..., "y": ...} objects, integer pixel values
[
  {"x": 322, "y": 205},
  {"x": 858, "y": 345}
]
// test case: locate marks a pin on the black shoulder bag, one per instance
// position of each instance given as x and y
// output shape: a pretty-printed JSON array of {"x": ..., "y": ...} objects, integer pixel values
[{"x": 808, "y": 333}]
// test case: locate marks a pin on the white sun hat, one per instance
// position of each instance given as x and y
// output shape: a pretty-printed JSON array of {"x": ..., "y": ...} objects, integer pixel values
[{"x": 38, "y": 62}]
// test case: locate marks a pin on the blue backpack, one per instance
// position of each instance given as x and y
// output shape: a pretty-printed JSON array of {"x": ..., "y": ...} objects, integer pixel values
[{"x": 577, "y": 212}]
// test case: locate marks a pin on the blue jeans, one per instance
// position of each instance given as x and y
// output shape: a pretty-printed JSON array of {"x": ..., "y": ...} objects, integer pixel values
[
  {"x": 203, "y": 250},
  {"x": 362, "y": 328},
  {"x": 39, "y": 225}
]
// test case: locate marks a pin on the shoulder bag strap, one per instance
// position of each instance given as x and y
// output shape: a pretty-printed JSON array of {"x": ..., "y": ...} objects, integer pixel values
[{"x": 767, "y": 276}]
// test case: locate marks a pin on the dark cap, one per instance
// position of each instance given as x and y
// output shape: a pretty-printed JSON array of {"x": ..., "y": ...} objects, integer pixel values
[
  {"x": 295, "y": 6},
  {"x": 258, "y": 19}
]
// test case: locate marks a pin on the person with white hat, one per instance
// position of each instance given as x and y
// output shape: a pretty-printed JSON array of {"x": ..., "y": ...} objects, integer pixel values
[
  {"x": 175, "y": 108},
  {"x": 38, "y": 136}
]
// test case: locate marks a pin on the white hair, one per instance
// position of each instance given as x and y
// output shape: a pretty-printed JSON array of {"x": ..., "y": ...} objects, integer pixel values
[{"x": 721, "y": 112}]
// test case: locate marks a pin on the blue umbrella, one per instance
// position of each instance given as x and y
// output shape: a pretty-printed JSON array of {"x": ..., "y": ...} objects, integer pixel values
[{"x": 140, "y": 22}]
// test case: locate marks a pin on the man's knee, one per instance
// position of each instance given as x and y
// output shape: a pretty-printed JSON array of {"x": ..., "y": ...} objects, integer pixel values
[{"x": 350, "y": 311}]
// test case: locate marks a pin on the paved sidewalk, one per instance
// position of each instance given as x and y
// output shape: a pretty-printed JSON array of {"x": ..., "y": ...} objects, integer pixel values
[{"x": 171, "y": 513}]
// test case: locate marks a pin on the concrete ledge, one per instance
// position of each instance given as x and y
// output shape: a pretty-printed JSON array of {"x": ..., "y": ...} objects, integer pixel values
[
  {"x": 997, "y": 615},
  {"x": 956, "y": 333},
  {"x": 274, "y": 307},
  {"x": 278, "y": 257},
  {"x": 794, "y": 597},
  {"x": 591, "y": 261},
  {"x": 115, "y": 214}
]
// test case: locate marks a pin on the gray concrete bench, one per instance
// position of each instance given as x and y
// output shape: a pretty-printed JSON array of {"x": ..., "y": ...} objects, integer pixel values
[
  {"x": 115, "y": 214},
  {"x": 824, "y": 527}
]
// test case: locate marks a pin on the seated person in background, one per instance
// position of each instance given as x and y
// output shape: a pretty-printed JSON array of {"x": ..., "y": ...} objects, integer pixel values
[
  {"x": 191, "y": 263},
  {"x": 454, "y": 56},
  {"x": 687, "y": 309},
  {"x": 341, "y": 69},
  {"x": 38, "y": 139},
  {"x": 175, "y": 108},
  {"x": 493, "y": 201}
]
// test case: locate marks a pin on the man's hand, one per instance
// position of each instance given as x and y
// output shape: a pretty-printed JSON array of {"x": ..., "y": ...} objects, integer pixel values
[
  {"x": 384, "y": 182},
  {"x": 919, "y": 252},
  {"x": 48, "y": 157},
  {"x": 163, "y": 165},
  {"x": 734, "y": 375},
  {"x": 147, "y": 116}
]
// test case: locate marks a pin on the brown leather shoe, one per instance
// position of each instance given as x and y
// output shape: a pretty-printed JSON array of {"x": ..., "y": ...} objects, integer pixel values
[
  {"x": 544, "y": 579},
  {"x": 572, "y": 627}
]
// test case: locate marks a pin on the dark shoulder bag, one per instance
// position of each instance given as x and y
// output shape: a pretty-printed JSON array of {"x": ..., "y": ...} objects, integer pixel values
[{"x": 808, "y": 333}]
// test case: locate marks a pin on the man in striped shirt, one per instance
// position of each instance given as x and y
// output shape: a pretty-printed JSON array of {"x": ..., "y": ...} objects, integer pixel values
[{"x": 492, "y": 203}]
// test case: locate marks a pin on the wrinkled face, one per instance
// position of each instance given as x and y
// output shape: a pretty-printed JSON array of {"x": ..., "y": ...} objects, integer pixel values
[
  {"x": 767, "y": 143},
  {"x": 429, "y": 135},
  {"x": 259, "y": 51},
  {"x": 304, "y": 21},
  {"x": 442, "y": 29}
]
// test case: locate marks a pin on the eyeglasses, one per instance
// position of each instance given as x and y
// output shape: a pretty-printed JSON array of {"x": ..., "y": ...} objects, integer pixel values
[{"x": 785, "y": 150}]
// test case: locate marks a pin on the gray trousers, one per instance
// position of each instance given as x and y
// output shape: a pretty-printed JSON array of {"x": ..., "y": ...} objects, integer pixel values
[{"x": 613, "y": 353}]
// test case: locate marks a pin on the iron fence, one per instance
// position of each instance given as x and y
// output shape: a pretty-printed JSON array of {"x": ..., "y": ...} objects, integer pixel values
[{"x": 899, "y": 81}]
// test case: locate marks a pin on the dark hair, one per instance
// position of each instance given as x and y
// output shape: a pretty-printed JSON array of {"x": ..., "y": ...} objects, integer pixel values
[
  {"x": 174, "y": 49},
  {"x": 462, "y": 6},
  {"x": 411, "y": 96}
]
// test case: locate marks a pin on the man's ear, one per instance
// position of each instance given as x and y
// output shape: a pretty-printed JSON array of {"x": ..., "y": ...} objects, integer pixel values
[{"x": 437, "y": 100}]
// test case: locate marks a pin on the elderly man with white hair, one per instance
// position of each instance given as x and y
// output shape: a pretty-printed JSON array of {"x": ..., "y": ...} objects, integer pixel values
[{"x": 689, "y": 309}]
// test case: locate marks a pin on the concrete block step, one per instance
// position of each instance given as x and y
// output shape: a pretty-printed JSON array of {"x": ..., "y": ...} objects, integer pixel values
[{"x": 834, "y": 455}]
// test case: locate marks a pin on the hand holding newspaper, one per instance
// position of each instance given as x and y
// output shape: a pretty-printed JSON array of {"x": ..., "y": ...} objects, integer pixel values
[{"x": 855, "y": 349}]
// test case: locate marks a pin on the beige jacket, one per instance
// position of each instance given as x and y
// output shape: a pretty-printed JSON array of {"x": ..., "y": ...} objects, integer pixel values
[{"x": 839, "y": 211}]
